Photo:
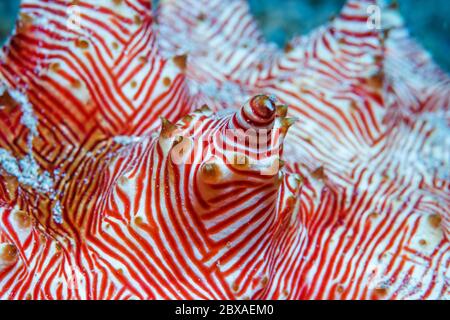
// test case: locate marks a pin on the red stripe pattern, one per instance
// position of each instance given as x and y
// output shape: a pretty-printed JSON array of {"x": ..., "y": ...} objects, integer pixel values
[{"x": 99, "y": 199}]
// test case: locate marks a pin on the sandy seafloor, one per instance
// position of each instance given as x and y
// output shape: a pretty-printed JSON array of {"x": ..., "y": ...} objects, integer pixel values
[{"x": 428, "y": 20}]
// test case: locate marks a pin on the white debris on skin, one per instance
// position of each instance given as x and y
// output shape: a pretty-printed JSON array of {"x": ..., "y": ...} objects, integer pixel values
[{"x": 27, "y": 170}]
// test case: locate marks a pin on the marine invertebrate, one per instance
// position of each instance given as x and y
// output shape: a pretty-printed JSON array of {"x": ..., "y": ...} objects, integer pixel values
[{"x": 99, "y": 201}]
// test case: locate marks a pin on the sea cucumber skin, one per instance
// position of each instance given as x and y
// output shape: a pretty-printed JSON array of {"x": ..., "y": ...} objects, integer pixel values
[{"x": 350, "y": 201}]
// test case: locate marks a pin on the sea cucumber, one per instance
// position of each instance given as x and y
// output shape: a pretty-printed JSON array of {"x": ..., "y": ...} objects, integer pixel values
[{"x": 182, "y": 156}]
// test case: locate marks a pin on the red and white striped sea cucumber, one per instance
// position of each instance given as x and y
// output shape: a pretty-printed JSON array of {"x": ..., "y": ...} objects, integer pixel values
[{"x": 176, "y": 154}]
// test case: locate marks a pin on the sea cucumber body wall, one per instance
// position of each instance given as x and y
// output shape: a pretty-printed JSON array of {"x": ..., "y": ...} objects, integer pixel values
[{"x": 189, "y": 158}]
